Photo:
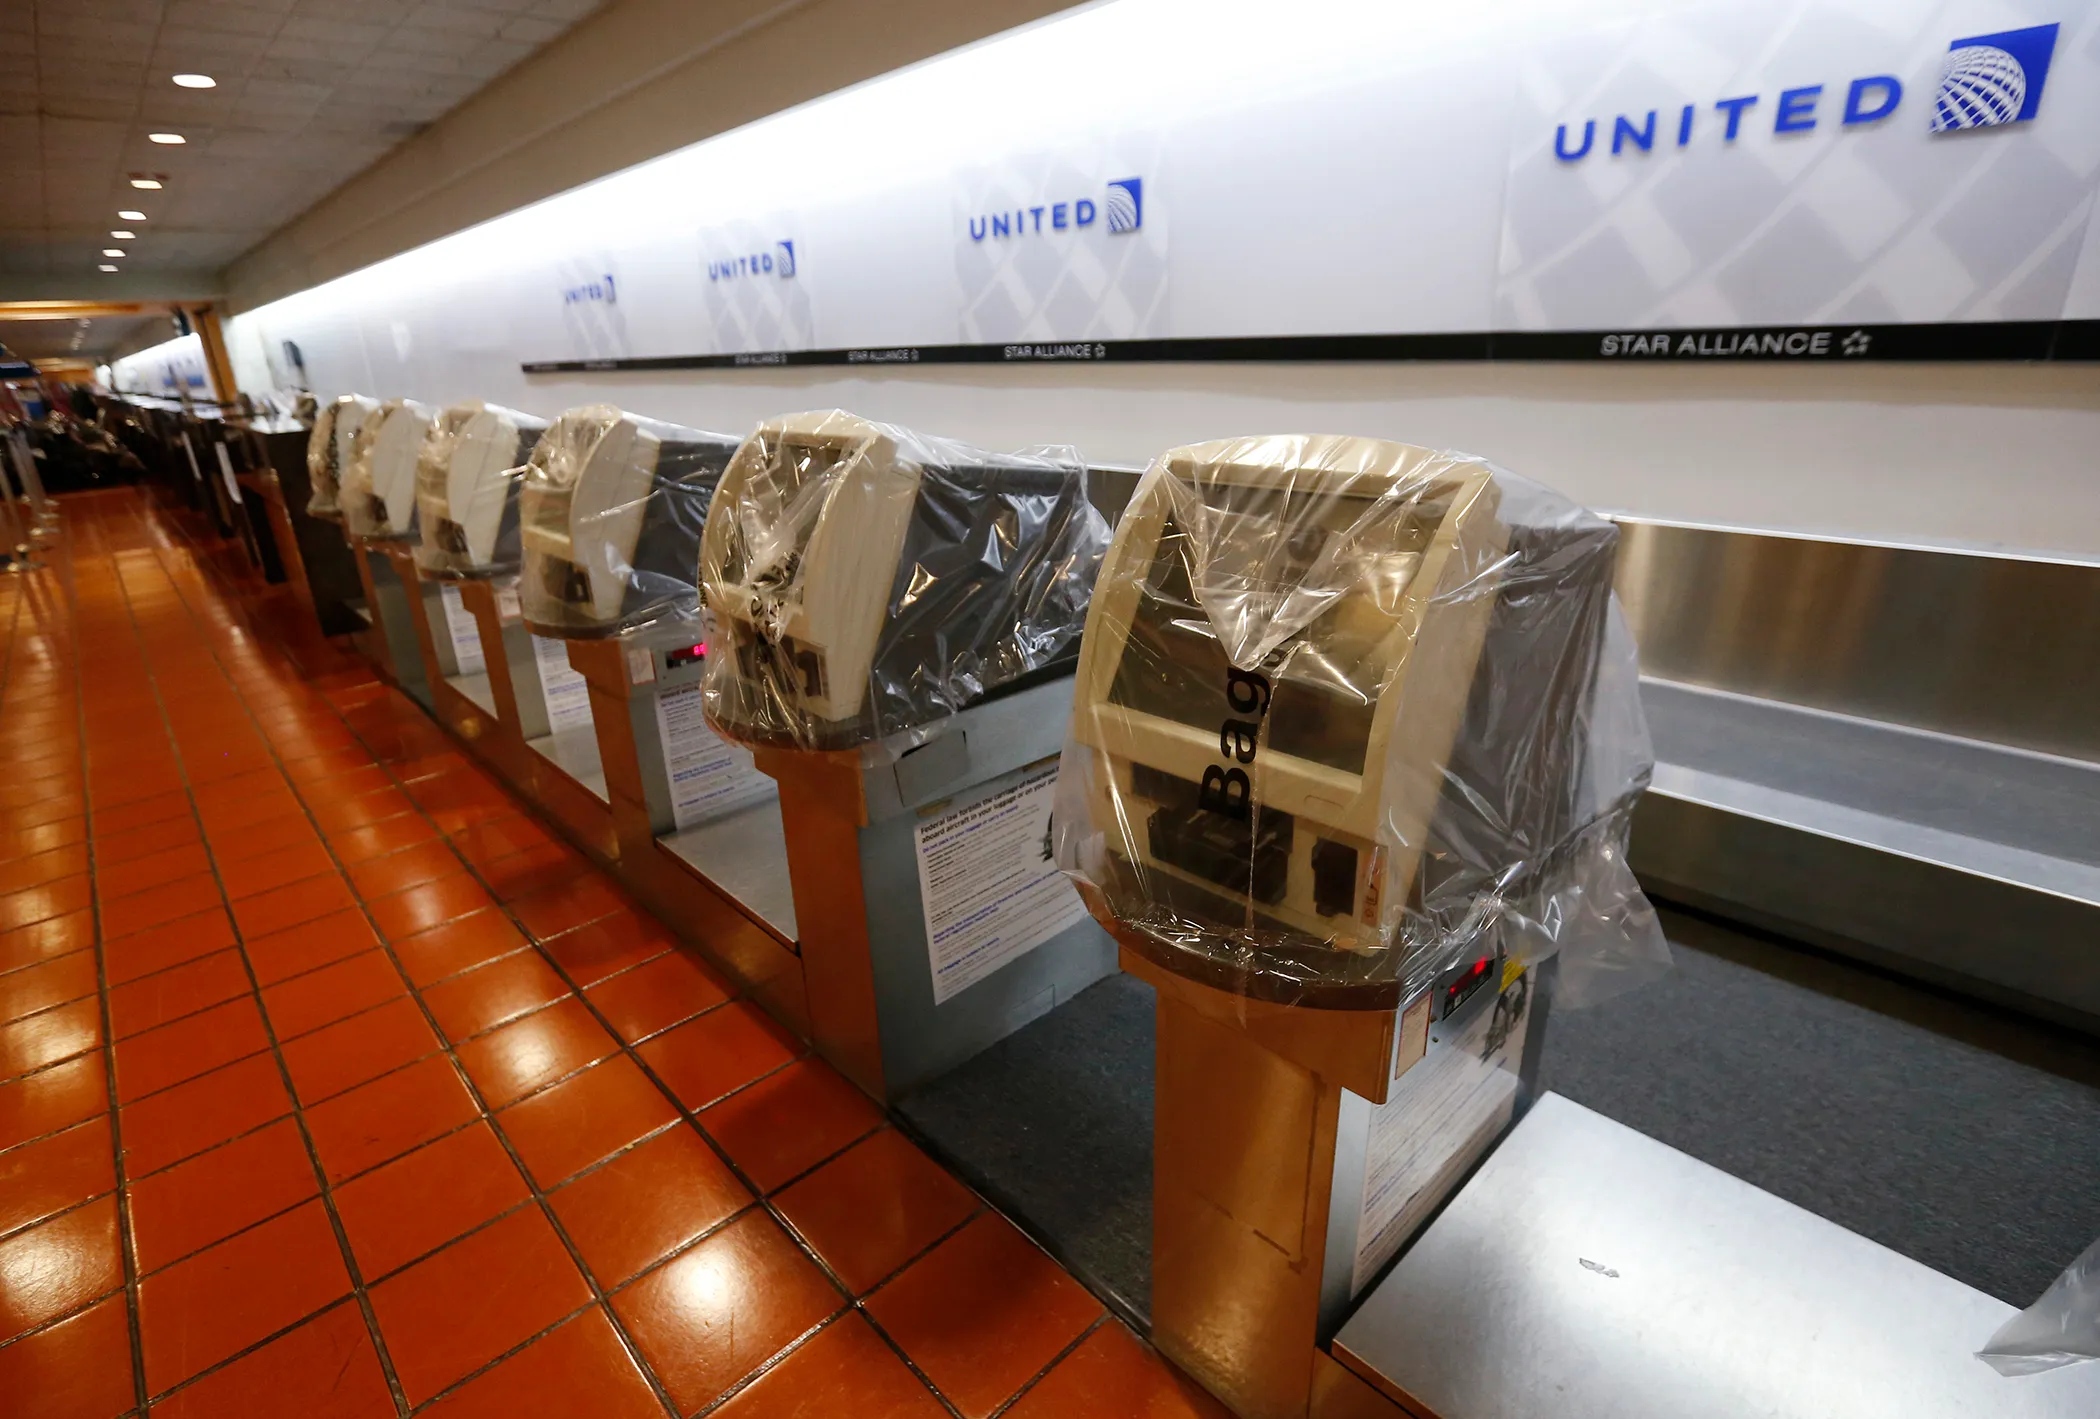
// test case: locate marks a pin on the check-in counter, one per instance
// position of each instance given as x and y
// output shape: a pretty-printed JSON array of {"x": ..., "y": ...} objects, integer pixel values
[
  {"x": 1355, "y": 747},
  {"x": 894, "y": 622}
]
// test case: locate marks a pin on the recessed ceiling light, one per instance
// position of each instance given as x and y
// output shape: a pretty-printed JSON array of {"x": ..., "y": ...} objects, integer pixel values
[
  {"x": 107, "y": 267},
  {"x": 125, "y": 236},
  {"x": 112, "y": 251},
  {"x": 167, "y": 138},
  {"x": 131, "y": 216},
  {"x": 150, "y": 183},
  {"x": 195, "y": 81}
]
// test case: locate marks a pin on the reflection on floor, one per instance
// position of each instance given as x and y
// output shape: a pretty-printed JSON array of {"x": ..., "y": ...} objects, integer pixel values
[{"x": 331, "y": 1084}]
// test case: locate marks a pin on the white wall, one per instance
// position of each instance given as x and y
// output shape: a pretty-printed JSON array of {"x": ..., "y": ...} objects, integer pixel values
[
  {"x": 170, "y": 368},
  {"x": 1994, "y": 455},
  {"x": 634, "y": 79}
]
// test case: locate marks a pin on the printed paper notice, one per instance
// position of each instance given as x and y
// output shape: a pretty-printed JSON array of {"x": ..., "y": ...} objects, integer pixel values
[
  {"x": 1435, "y": 1121},
  {"x": 988, "y": 885},
  {"x": 464, "y": 630},
  {"x": 709, "y": 775},
  {"x": 567, "y": 693}
]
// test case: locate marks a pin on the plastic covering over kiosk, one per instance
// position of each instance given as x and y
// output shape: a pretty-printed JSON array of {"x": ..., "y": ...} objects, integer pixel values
[
  {"x": 376, "y": 500},
  {"x": 605, "y": 621},
  {"x": 896, "y": 618},
  {"x": 1354, "y": 748}
]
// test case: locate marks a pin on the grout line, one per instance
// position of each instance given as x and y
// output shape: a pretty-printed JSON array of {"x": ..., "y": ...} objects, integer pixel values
[
  {"x": 313, "y": 1156},
  {"x": 520, "y": 1348},
  {"x": 384, "y": 691},
  {"x": 127, "y": 1248},
  {"x": 231, "y": 1360},
  {"x": 690, "y": 1116},
  {"x": 538, "y": 1194},
  {"x": 1059, "y": 1358}
]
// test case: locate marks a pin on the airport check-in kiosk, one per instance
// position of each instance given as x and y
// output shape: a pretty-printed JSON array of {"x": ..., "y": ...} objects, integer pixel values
[
  {"x": 894, "y": 620},
  {"x": 329, "y": 447},
  {"x": 468, "y": 462},
  {"x": 1348, "y": 789},
  {"x": 376, "y": 497},
  {"x": 318, "y": 561},
  {"x": 611, "y": 508}
]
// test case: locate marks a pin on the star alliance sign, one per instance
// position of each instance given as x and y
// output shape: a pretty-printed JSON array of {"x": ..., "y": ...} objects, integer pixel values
[{"x": 1985, "y": 81}]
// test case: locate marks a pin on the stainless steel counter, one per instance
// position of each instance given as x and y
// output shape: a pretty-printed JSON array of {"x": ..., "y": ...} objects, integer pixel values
[
  {"x": 1589, "y": 1272},
  {"x": 745, "y": 855},
  {"x": 575, "y": 753},
  {"x": 475, "y": 687}
]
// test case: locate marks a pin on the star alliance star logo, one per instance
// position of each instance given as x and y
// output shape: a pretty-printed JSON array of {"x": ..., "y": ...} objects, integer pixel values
[{"x": 1857, "y": 343}]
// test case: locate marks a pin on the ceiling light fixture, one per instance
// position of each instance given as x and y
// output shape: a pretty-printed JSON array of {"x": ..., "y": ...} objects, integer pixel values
[
  {"x": 107, "y": 267},
  {"x": 125, "y": 236},
  {"x": 131, "y": 216},
  {"x": 167, "y": 138},
  {"x": 151, "y": 182},
  {"x": 112, "y": 251},
  {"x": 195, "y": 81}
]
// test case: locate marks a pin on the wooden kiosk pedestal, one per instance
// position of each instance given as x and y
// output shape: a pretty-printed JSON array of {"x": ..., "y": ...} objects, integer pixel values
[
  {"x": 1269, "y": 1123},
  {"x": 721, "y": 904},
  {"x": 389, "y": 641},
  {"x": 548, "y": 752}
]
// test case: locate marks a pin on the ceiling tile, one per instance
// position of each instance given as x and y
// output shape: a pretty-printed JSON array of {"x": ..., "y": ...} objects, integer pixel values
[
  {"x": 221, "y": 17},
  {"x": 310, "y": 92}
]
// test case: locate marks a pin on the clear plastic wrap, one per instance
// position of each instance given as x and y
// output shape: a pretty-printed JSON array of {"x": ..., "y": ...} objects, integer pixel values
[
  {"x": 1350, "y": 717},
  {"x": 328, "y": 449},
  {"x": 467, "y": 480},
  {"x": 2062, "y": 1328},
  {"x": 378, "y": 495},
  {"x": 864, "y": 579},
  {"x": 610, "y": 516}
]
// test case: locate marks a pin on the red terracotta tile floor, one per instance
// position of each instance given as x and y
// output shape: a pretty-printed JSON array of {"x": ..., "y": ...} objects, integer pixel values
[{"x": 332, "y": 1084}]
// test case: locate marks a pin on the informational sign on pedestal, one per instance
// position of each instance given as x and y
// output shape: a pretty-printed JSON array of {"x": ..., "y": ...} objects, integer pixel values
[
  {"x": 709, "y": 775},
  {"x": 463, "y": 630},
  {"x": 567, "y": 693},
  {"x": 989, "y": 885},
  {"x": 1438, "y": 1117}
]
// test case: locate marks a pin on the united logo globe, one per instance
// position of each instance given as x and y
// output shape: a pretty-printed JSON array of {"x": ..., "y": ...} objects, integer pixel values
[{"x": 1981, "y": 86}]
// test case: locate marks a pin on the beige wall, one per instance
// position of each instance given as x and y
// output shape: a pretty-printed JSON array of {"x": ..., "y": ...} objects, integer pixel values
[{"x": 639, "y": 78}]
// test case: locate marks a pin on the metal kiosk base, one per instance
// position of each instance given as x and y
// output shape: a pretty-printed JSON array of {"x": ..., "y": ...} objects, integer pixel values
[
  {"x": 548, "y": 745},
  {"x": 722, "y": 877},
  {"x": 932, "y": 923},
  {"x": 392, "y": 644}
]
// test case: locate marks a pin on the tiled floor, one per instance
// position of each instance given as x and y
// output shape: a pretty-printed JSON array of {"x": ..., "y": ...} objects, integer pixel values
[{"x": 332, "y": 1085}]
